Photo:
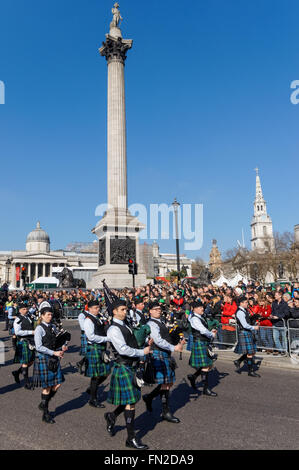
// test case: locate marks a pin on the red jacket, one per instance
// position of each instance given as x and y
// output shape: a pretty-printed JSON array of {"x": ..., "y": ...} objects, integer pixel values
[
  {"x": 228, "y": 312},
  {"x": 265, "y": 312}
]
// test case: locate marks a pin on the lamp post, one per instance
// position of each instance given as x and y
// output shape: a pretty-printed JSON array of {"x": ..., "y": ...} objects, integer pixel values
[{"x": 176, "y": 206}]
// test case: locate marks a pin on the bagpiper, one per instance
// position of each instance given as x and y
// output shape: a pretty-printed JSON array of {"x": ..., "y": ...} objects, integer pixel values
[
  {"x": 124, "y": 392},
  {"x": 24, "y": 354},
  {"x": 200, "y": 359},
  {"x": 97, "y": 369},
  {"x": 164, "y": 365},
  {"x": 47, "y": 371},
  {"x": 246, "y": 341},
  {"x": 83, "y": 349}
]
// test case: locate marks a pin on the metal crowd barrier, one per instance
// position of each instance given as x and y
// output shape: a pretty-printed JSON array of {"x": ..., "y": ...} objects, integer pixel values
[
  {"x": 226, "y": 338},
  {"x": 71, "y": 312},
  {"x": 293, "y": 339}
]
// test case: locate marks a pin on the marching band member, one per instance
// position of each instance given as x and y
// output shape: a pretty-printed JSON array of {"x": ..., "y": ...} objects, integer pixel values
[
  {"x": 136, "y": 315},
  {"x": 83, "y": 350},
  {"x": 47, "y": 369},
  {"x": 96, "y": 336},
  {"x": 246, "y": 344},
  {"x": 123, "y": 392},
  {"x": 24, "y": 331},
  {"x": 199, "y": 358},
  {"x": 163, "y": 363}
]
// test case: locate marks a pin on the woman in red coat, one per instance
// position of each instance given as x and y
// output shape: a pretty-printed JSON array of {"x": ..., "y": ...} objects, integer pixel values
[
  {"x": 228, "y": 321},
  {"x": 265, "y": 332}
]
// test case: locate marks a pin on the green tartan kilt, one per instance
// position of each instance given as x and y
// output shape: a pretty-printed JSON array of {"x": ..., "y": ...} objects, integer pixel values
[
  {"x": 95, "y": 366},
  {"x": 199, "y": 355},
  {"x": 23, "y": 354},
  {"x": 122, "y": 389}
]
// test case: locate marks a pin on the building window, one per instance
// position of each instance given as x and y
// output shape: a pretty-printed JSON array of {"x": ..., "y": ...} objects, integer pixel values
[{"x": 265, "y": 231}]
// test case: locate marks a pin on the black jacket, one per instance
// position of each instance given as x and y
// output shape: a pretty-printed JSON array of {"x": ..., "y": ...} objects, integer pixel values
[{"x": 280, "y": 310}]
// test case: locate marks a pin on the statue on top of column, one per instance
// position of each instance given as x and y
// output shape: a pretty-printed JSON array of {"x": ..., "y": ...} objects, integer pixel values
[{"x": 117, "y": 18}]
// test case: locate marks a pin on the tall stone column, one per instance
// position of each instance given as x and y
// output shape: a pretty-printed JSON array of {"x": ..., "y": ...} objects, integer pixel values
[{"x": 118, "y": 230}]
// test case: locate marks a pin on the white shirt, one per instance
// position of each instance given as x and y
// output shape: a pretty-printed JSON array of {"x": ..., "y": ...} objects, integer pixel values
[
  {"x": 116, "y": 337},
  {"x": 197, "y": 324},
  {"x": 158, "y": 340},
  {"x": 18, "y": 328},
  {"x": 89, "y": 331}
]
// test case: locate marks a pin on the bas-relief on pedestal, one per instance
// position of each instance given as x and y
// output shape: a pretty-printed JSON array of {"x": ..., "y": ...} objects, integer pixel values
[{"x": 118, "y": 230}]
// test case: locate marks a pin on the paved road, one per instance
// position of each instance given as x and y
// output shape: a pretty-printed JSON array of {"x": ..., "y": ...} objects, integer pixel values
[{"x": 248, "y": 413}]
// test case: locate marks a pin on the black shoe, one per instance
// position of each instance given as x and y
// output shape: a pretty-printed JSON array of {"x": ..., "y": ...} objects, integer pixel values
[
  {"x": 170, "y": 418},
  {"x": 41, "y": 406},
  {"x": 209, "y": 393},
  {"x": 96, "y": 404},
  {"x": 192, "y": 381},
  {"x": 79, "y": 365},
  {"x": 87, "y": 390},
  {"x": 238, "y": 366},
  {"x": 110, "y": 419},
  {"x": 28, "y": 386},
  {"x": 148, "y": 401},
  {"x": 47, "y": 418},
  {"x": 134, "y": 444},
  {"x": 16, "y": 375},
  {"x": 253, "y": 374}
]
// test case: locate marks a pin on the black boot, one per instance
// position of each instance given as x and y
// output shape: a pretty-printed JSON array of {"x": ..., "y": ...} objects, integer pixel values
[
  {"x": 47, "y": 418},
  {"x": 166, "y": 413},
  {"x": 192, "y": 378},
  {"x": 149, "y": 398},
  {"x": 44, "y": 403},
  {"x": 237, "y": 363},
  {"x": 16, "y": 374},
  {"x": 94, "y": 394},
  {"x": 27, "y": 384},
  {"x": 251, "y": 372},
  {"x": 206, "y": 390},
  {"x": 80, "y": 365},
  {"x": 132, "y": 442},
  {"x": 110, "y": 420}
]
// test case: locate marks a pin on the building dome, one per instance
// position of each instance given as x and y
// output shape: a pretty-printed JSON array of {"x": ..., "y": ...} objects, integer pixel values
[{"x": 38, "y": 240}]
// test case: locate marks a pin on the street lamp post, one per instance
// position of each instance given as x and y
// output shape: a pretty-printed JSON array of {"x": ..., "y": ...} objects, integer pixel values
[
  {"x": 176, "y": 206},
  {"x": 8, "y": 266}
]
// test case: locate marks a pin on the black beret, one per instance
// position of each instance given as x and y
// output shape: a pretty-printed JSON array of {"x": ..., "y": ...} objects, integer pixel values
[
  {"x": 197, "y": 304},
  {"x": 45, "y": 310},
  {"x": 93, "y": 303},
  {"x": 118, "y": 303},
  {"x": 138, "y": 300},
  {"x": 22, "y": 306},
  {"x": 242, "y": 299},
  {"x": 154, "y": 304}
]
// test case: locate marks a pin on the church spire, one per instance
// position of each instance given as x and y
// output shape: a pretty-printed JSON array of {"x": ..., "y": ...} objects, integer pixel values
[
  {"x": 261, "y": 225},
  {"x": 260, "y": 207}
]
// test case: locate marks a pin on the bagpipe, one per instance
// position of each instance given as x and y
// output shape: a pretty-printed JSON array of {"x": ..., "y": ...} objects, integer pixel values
[{"x": 62, "y": 337}]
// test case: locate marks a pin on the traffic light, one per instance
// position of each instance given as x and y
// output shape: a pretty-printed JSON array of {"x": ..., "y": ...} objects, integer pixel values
[
  {"x": 23, "y": 274},
  {"x": 131, "y": 266}
]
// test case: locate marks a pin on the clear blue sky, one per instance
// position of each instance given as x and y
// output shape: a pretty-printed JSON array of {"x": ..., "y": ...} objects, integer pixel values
[{"x": 208, "y": 99}]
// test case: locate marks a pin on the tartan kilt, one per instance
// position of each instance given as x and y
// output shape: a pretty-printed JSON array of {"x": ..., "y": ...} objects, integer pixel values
[
  {"x": 190, "y": 342},
  {"x": 246, "y": 344},
  {"x": 122, "y": 389},
  {"x": 42, "y": 377},
  {"x": 83, "y": 350},
  {"x": 23, "y": 354},
  {"x": 95, "y": 366},
  {"x": 199, "y": 355},
  {"x": 163, "y": 372}
]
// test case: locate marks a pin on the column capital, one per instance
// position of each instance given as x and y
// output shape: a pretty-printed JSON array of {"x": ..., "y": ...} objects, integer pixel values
[{"x": 115, "y": 49}]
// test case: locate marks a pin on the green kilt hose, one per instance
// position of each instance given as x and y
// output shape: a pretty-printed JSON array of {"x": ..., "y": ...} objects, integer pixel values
[
  {"x": 122, "y": 389},
  {"x": 23, "y": 354},
  {"x": 199, "y": 355},
  {"x": 246, "y": 343},
  {"x": 163, "y": 371},
  {"x": 42, "y": 377},
  {"x": 95, "y": 365},
  {"x": 83, "y": 350}
]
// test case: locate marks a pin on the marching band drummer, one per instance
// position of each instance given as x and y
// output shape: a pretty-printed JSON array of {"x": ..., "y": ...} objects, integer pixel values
[
  {"x": 24, "y": 331},
  {"x": 47, "y": 369},
  {"x": 199, "y": 358}
]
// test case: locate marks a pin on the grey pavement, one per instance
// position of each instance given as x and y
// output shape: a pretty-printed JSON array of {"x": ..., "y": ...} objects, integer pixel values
[{"x": 248, "y": 413}]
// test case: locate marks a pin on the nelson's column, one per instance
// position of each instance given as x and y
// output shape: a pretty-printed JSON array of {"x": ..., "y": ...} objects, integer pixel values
[{"x": 118, "y": 230}]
